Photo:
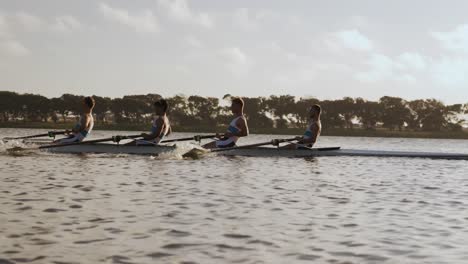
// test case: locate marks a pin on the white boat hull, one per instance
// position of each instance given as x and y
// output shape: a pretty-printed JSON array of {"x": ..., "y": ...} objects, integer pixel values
[
  {"x": 113, "y": 149},
  {"x": 275, "y": 152},
  {"x": 258, "y": 152}
]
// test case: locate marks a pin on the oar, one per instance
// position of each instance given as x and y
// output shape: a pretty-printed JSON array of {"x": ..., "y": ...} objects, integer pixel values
[
  {"x": 49, "y": 134},
  {"x": 274, "y": 142},
  {"x": 194, "y": 138},
  {"x": 196, "y": 152},
  {"x": 113, "y": 138}
]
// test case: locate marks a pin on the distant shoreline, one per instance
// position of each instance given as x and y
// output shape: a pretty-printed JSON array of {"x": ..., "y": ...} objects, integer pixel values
[{"x": 357, "y": 132}]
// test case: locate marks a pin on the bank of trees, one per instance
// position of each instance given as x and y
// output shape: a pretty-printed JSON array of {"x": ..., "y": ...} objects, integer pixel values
[{"x": 283, "y": 111}]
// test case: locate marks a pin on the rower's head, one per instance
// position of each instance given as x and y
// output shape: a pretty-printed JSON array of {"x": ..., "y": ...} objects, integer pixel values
[
  {"x": 315, "y": 111},
  {"x": 88, "y": 103},
  {"x": 161, "y": 106},
  {"x": 237, "y": 105}
]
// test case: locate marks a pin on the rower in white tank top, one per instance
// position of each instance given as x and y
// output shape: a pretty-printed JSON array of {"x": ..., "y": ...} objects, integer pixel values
[
  {"x": 154, "y": 129},
  {"x": 313, "y": 130},
  {"x": 160, "y": 126},
  {"x": 230, "y": 141},
  {"x": 237, "y": 128},
  {"x": 80, "y": 133},
  {"x": 310, "y": 135},
  {"x": 84, "y": 126}
]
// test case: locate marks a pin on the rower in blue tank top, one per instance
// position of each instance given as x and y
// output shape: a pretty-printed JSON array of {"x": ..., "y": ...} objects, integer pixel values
[
  {"x": 84, "y": 126},
  {"x": 237, "y": 128},
  {"x": 159, "y": 128},
  {"x": 313, "y": 130}
]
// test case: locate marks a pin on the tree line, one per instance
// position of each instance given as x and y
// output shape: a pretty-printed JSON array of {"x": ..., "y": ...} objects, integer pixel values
[{"x": 284, "y": 111}]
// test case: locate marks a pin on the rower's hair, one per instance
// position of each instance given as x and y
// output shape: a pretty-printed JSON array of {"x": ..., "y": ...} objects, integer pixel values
[
  {"x": 89, "y": 101},
  {"x": 317, "y": 108},
  {"x": 162, "y": 103},
  {"x": 239, "y": 101}
]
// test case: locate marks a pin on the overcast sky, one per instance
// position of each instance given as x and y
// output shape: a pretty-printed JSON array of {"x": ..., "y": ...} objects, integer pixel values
[{"x": 327, "y": 49}]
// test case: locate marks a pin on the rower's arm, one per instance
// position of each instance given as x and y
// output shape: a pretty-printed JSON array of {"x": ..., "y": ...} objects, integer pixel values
[
  {"x": 244, "y": 129},
  {"x": 169, "y": 131},
  {"x": 83, "y": 125},
  {"x": 315, "y": 132},
  {"x": 157, "y": 133}
]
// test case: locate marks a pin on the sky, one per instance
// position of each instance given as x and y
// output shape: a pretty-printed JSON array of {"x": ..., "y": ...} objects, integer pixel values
[{"x": 307, "y": 48}]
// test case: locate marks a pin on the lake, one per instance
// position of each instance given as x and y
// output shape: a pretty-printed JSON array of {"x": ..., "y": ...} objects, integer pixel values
[{"x": 65, "y": 208}]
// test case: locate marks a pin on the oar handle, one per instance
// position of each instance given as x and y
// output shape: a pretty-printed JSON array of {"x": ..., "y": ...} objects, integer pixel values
[
  {"x": 52, "y": 134},
  {"x": 194, "y": 138}
]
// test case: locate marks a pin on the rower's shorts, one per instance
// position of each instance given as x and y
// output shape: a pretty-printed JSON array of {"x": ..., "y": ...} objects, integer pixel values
[
  {"x": 226, "y": 143},
  {"x": 74, "y": 138}
]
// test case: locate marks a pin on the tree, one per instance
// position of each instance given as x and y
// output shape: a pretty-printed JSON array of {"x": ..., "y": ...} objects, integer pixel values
[
  {"x": 102, "y": 107},
  {"x": 347, "y": 109},
  {"x": 203, "y": 110},
  {"x": 35, "y": 107},
  {"x": 368, "y": 113},
  {"x": 255, "y": 109},
  {"x": 331, "y": 115},
  {"x": 67, "y": 104},
  {"x": 9, "y": 105},
  {"x": 177, "y": 109},
  {"x": 278, "y": 107},
  {"x": 300, "y": 110},
  {"x": 395, "y": 112}
]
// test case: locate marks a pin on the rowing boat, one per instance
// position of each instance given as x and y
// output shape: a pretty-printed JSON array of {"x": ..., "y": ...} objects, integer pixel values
[
  {"x": 338, "y": 152},
  {"x": 258, "y": 152},
  {"x": 113, "y": 149}
]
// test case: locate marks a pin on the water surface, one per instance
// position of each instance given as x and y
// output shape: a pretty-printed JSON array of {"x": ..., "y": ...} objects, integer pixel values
[{"x": 141, "y": 209}]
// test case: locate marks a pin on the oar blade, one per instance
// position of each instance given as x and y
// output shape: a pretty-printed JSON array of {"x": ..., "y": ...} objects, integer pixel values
[
  {"x": 196, "y": 153},
  {"x": 19, "y": 151},
  {"x": 15, "y": 149}
]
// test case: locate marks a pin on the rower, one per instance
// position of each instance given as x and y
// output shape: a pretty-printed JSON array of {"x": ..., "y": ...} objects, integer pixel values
[
  {"x": 160, "y": 127},
  {"x": 314, "y": 128},
  {"x": 237, "y": 128},
  {"x": 84, "y": 126}
]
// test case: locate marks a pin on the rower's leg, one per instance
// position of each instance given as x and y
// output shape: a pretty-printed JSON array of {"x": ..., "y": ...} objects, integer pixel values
[
  {"x": 69, "y": 139},
  {"x": 131, "y": 143},
  {"x": 289, "y": 146}
]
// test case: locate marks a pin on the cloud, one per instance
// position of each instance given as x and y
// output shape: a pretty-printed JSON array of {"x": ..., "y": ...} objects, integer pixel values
[
  {"x": 382, "y": 68},
  {"x": 177, "y": 9},
  {"x": 3, "y": 27},
  {"x": 353, "y": 39},
  {"x": 243, "y": 20},
  {"x": 249, "y": 20},
  {"x": 236, "y": 61},
  {"x": 205, "y": 20},
  {"x": 180, "y": 11},
  {"x": 66, "y": 24},
  {"x": 451, "y": 71},
  {"x": 29, "y": 22},
  {"x": 296, "y": 77},
  {"x": 146, "y": 21},
  {"x": 13, "y": 48},
  {"x": 455, "y": 40},
  {"x": 193, "y": 41},
  {"x": 412, "y": 61}
]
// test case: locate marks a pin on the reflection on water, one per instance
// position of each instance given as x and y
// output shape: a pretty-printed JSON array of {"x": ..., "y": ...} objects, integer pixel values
[{"x": 139, "y": 209}]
